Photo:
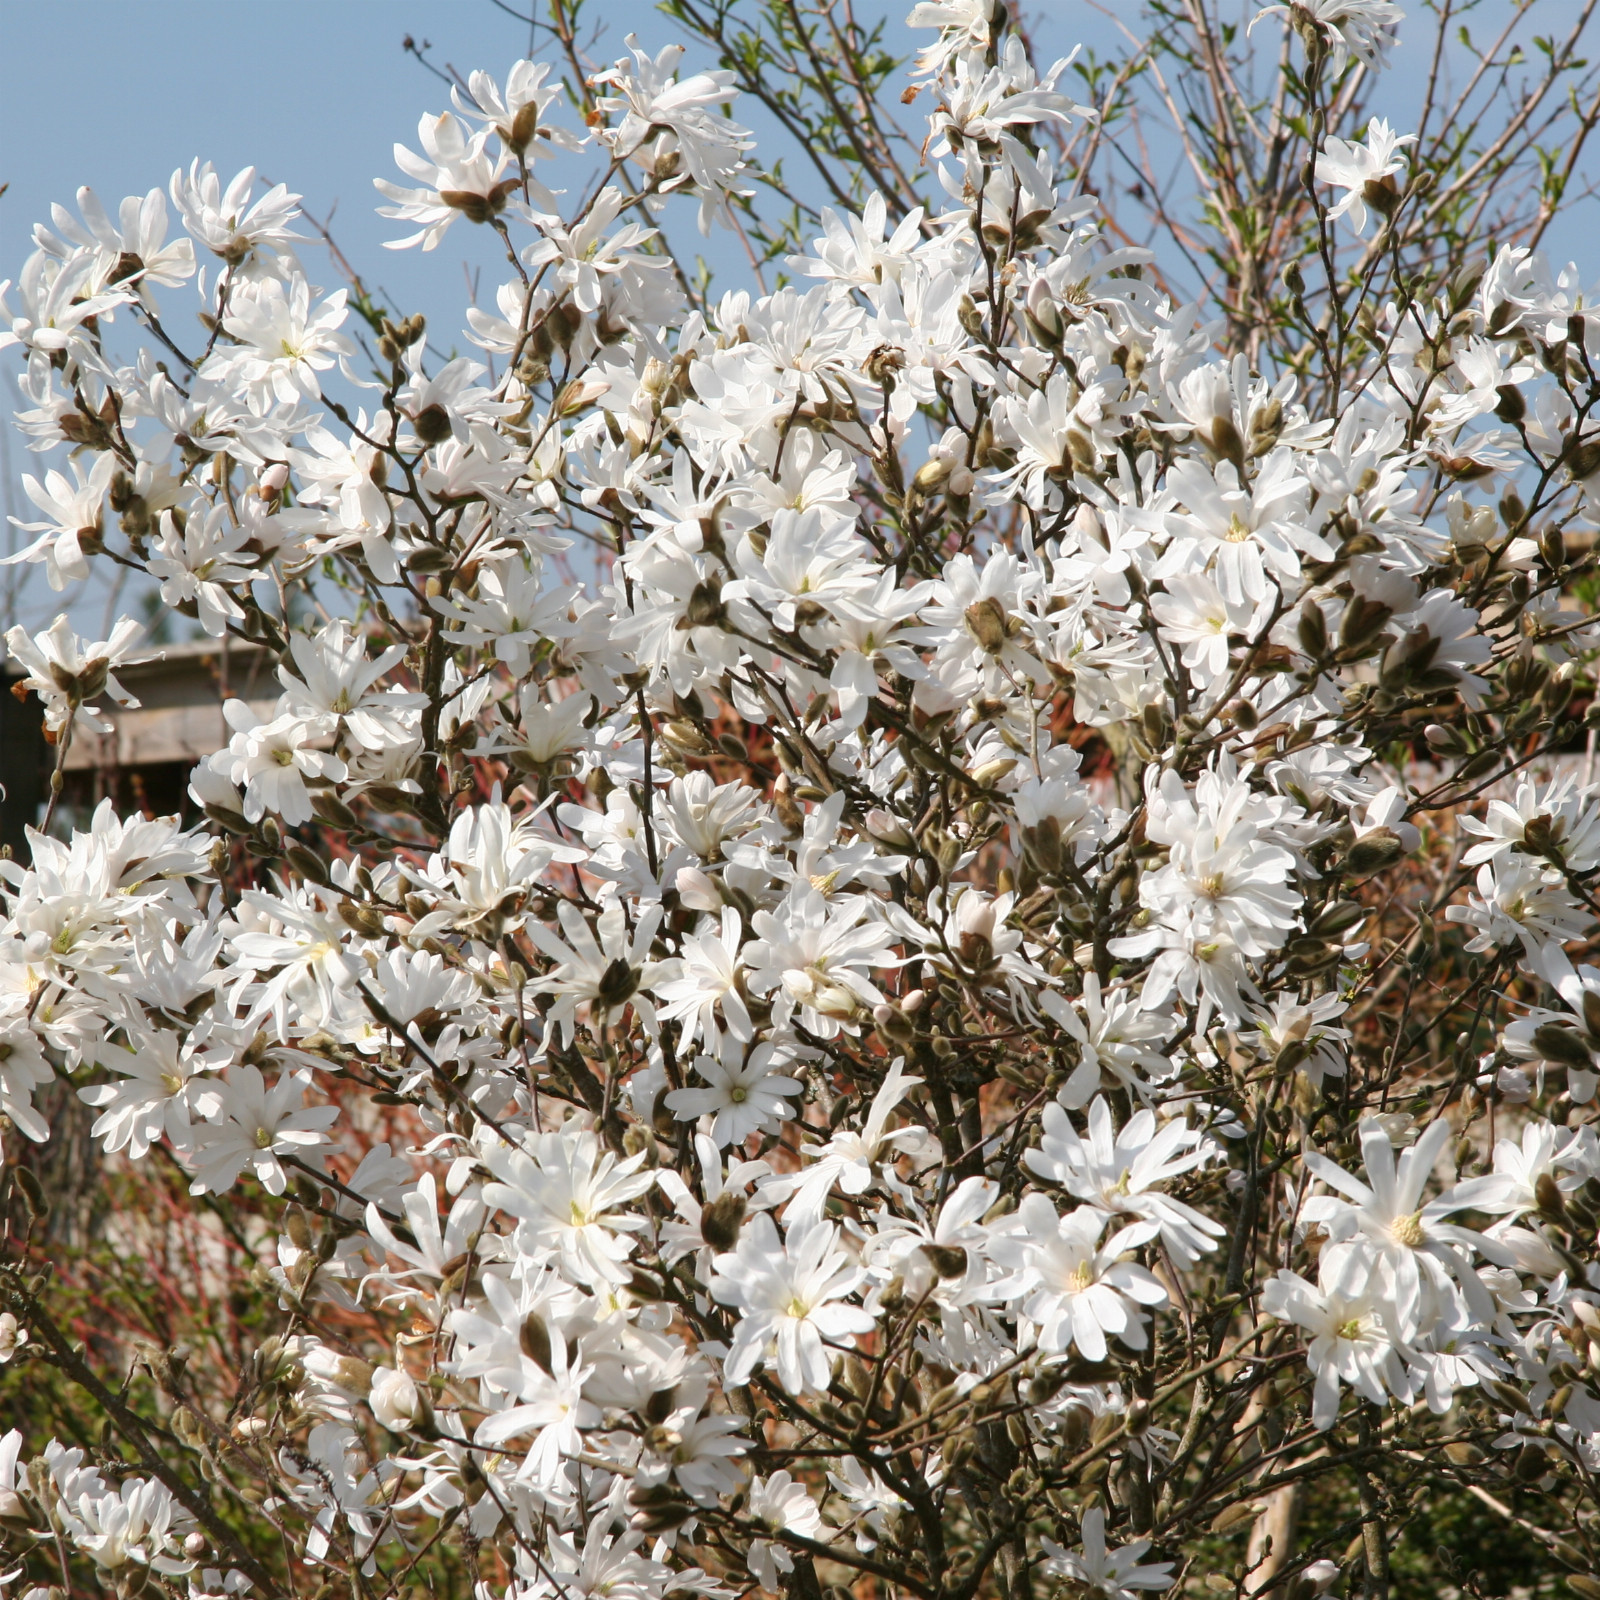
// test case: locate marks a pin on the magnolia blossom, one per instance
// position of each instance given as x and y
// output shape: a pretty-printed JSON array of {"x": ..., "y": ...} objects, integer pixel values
[
  {"x": 74, "y": 510},
  {"x": 1365, "y": 172},
  {"x": 1121, "y": 1173},
  {"x": 808, "y": 901},
  {"x": 250, "y": 1126},
  {"x": 66, "y": 673},
  {"x": 1350, "y": 1345},
  {"x": 1076, "y": 1290},
  {"x": 1116, "y": 1573},
  {"x": 742, "y": 1097},
  {"x": 790, "y": 1293}
]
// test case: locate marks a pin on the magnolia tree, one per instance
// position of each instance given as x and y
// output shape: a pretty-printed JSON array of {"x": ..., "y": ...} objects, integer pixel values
[{"x": 912, "y": 935}]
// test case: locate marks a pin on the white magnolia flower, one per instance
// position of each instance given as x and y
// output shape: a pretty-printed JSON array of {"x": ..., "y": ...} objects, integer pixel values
[
  {"x": 1365, "y": 172},
  {"x": 250, "y": 1126},
  {"x": 272, "y": 759},
  {"x": 530, "y": 1373},
  {"x": 703, "y": 994},
  {"x": 68, "y": 674},
  {"x": 251, "y": 236},
  {"x": 1362, "y": 28},
  {"x": 743, "y": 1097},
  {"x": 781, "y": 1505},
  {"x": 789, "y": 1293},
  {"x": 73, "y": 519},
  {"x": 282, "y": 341},
  {"x": 161, "y": 1090},
  {"x": 1118, "y": 1173},
  {"x": 1351, "y": 1342},
  {"x": 456, "y": 178},
  {"x": 12, "y": 1337},
  {"x": 1074, "y": 1289},
  {"x": 600, "y": 970},
  {"x": 197, "y": 564},
  {"x": 133, "y": 250},
  {"x": 817, "y": 955},
  {"x": 567, "y": 1192},
  {"x": 687, "y": 139},
  {"x": 140, "y": 1523},
  {"x": 1114, "y": 1573},
  {"x": 1384, "y": 1228},
  {"x": 1523, "y": 904},
  {"x": 850, "y": 1160}
]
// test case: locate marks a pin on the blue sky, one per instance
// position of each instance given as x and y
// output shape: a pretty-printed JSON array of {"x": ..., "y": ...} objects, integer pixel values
[{"x": 314, "y": 93}]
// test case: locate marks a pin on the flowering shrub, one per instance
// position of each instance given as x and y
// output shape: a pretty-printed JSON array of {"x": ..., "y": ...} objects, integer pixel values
[{"x": 907, "y": 934}]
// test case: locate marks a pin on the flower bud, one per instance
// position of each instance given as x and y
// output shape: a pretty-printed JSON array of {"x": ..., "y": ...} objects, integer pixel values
[
  {"x": 534, "y": 1338},
  {"x": 1041, "y": 843},
  {"x": 1510, "y": 406},
  {"x": 948, "y": 1260},
  {"x": 1372, "y": 853},
  {"x": 1549, "y": 1199},
  {"x": 1558, "y": 1042},
  {"x": 1553, "y": 548},
  {"x": 298, "y": 1227},
  {"x": 519, "y": 135},
  {"x": 1233, "y": 1516},
  {"x": 1337, "y": 917},
  {"x": 1582, "y": 460},
  {"x": 1363, "y": 621},
  {"x": 988, "y": 773},
  {"x": 397, "y": 1401},
  {"x": 1382, "y": 194},
  {"x": 986, "y": 622},
  {"x": 888, "y": 829},
  {"x": 1044, "y": 315},
  {"x": 894, "y": 1024},
  {"x": 722, "y": 1218},
  {"x": 1313, "y": 631},
  {"x": 477, "y": 207}
]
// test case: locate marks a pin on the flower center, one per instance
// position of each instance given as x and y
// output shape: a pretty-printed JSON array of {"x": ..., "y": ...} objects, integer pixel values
[
  {"x": 1408, "y": 1230},
  {"x": 1237, "y": 531}
]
